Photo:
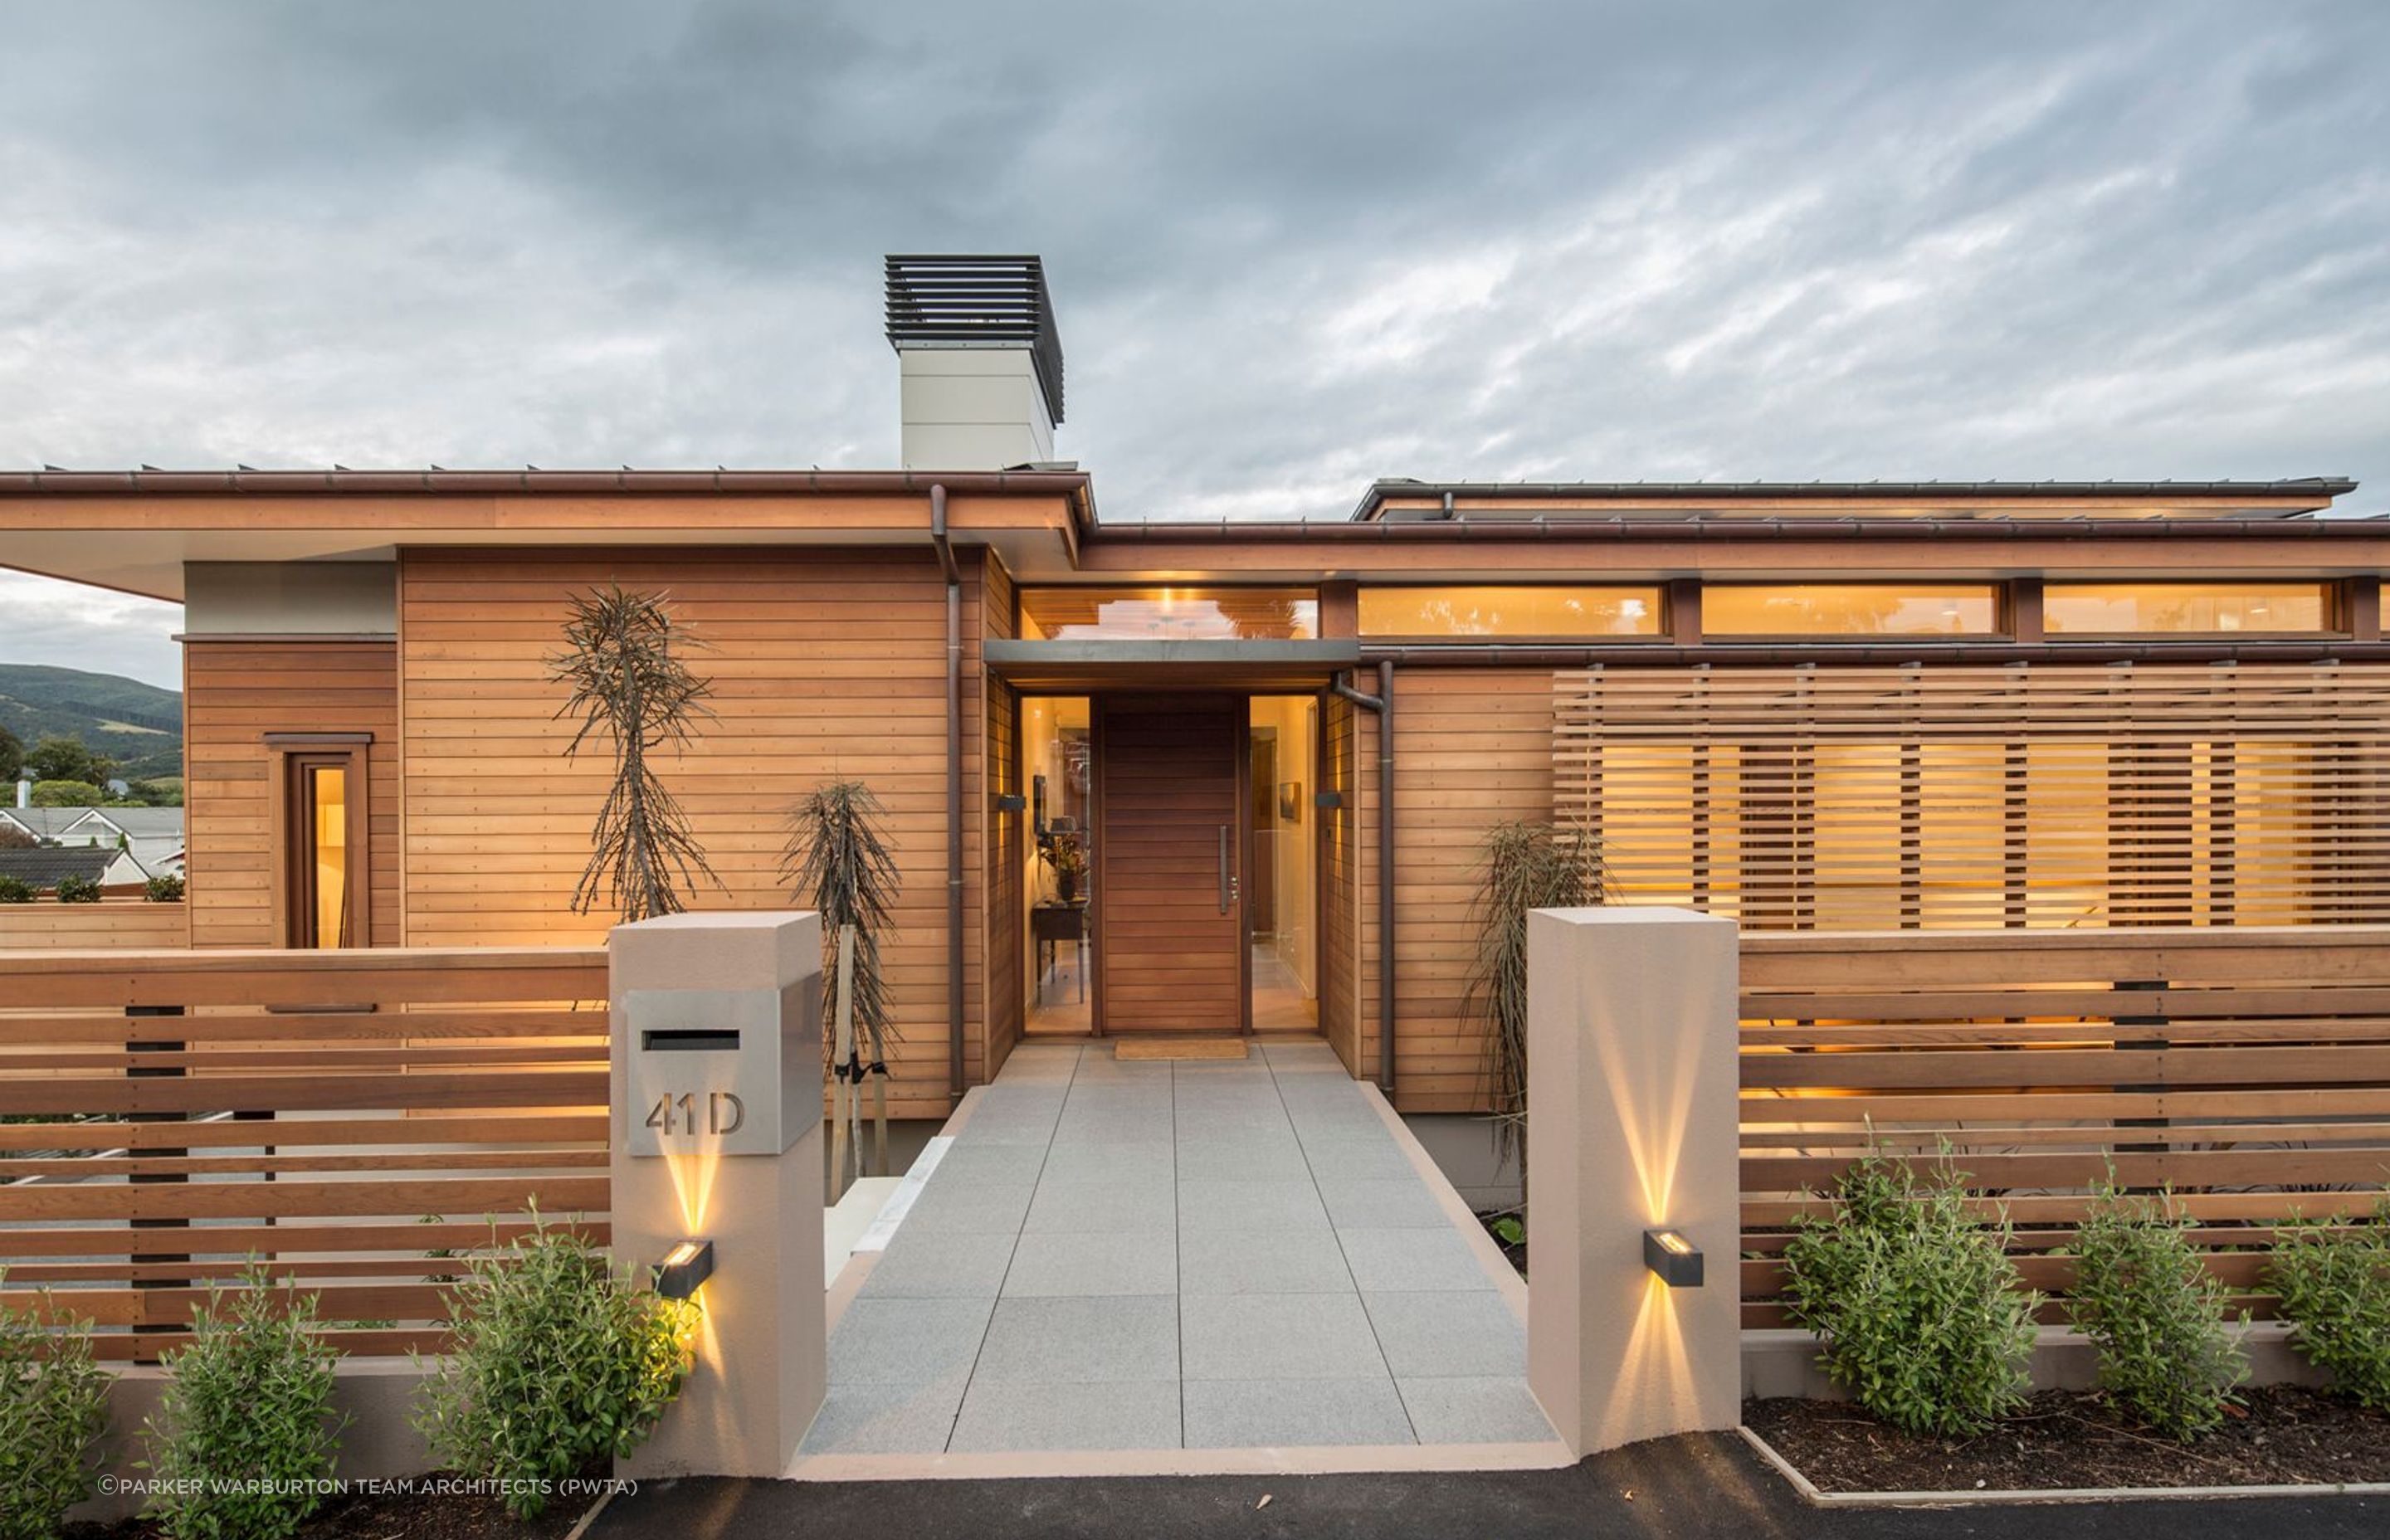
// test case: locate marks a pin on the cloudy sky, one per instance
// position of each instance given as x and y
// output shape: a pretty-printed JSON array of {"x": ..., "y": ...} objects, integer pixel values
[{"x": 1294, "y": 245}]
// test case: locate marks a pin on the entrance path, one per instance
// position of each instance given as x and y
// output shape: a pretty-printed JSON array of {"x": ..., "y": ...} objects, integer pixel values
[{"x": 1179, "y": 1267}]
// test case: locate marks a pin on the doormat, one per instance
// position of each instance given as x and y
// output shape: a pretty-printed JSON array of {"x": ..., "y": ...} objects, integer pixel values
[{"x": 1178, "y": 1048}]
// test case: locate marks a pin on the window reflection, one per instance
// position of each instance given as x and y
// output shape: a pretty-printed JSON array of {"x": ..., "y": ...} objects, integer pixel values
[
  {"x": 1168, "y": 614},
  {"x": 1492, "y": 611},
  {"x": 1850, "y": 609}
]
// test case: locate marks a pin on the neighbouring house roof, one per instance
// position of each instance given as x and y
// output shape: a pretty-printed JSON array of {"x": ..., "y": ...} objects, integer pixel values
[
  {"x": 140, "y": 823},
  {"x": 46, "y": 823},
  {"x": 45, "y": 866}
]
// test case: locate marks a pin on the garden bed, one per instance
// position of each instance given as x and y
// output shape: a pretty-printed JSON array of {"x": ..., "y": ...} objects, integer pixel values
[{"x": 2067, "y": 1440}]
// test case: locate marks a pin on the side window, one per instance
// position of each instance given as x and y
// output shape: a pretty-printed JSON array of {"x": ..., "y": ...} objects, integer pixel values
[{"x": 321, "y": 838}]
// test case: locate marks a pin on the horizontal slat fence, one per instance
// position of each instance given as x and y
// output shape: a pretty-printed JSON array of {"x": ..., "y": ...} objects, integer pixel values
[
  {"x": 350, "y": 1118},
  {"x": 2246, "y": 1069},
  {"x": 2025, "y": 795}
]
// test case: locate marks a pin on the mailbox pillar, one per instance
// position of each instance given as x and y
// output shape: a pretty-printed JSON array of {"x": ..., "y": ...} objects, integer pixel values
[{"x": 716, "y": 1110}]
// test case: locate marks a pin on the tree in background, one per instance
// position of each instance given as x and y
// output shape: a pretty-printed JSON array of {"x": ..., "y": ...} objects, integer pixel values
[
  {"x": 56, "y": 793},
  {"x": 630, "y": 685},
  {"x": 12, "y": 756},
  {"x": 13, "y": 838},
  {"x": 56, "y": 757}
]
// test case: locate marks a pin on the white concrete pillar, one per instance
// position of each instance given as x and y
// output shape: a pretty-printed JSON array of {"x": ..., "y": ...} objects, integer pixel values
[
  {"x": 1631, "y": 1103},
  {"x": 717, "y": 1071}
]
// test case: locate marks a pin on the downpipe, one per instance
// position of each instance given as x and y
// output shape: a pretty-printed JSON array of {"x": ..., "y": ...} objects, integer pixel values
[{"x": 953, "y": 790}]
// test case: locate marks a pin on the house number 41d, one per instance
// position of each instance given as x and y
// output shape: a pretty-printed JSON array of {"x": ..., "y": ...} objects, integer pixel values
[{"x": 723, "y": 1113}]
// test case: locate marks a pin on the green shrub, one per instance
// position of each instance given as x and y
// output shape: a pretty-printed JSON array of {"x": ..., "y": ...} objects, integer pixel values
[
  {"x": 2156, "y": 1316},
  {"x": 66, "y": 793},
  {"x": 246, "y": 1423},
  {"x": 164, "y": 888},
  {"x": 2335, "y": 1291},
  {"x": 77, "y": 889},
  {"x": 53, "y": 1405},
  {"x": 15, "y": 889},
  {"x": 557, "y": 1365},
  {"x": 1923, "y": 1317}
]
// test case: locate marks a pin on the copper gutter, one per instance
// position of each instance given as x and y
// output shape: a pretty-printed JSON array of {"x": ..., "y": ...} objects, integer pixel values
[
  {"x": 1667, "y": 655},
  {"x": 953, "y": 790}
]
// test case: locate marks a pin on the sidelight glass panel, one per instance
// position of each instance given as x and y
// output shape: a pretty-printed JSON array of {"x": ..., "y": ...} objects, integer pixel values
[
  {"x": 2128, "y": 609},
  {"x": 1058, "y": 766},
  {"x": 1169, "y": 614},
  {"x": 1493, "y": 611},
  {"x": 1850, "y": 609}
]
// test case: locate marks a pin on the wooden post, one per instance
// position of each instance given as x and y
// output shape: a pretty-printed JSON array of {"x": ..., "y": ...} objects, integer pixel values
[{"x": 846, "y": 1094}]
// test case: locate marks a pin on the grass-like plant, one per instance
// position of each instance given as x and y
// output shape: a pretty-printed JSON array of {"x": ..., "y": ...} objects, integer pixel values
[
  {"x": 1522, "y": 867},
  {"x": 630, "y": 685},
  {"x": 244, "y": 1439},
  {"x": 1921, "y": 1311},
  {"x": 2334, "y": 1285},
  {"x": 559, "y": 1365},
  {"x": 839, "y": 860},
  {"x": 53, "y": 1406},
  {"x": 2156, "y": 1316}
]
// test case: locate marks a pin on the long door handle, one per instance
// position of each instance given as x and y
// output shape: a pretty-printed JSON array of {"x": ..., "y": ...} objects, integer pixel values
[{"x": 1227, "y": 883}]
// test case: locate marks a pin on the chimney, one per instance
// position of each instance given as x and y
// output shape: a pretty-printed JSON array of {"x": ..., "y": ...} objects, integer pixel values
[
  {"x": 24, "y": 793},
  {"x": 980, "y": 361}
]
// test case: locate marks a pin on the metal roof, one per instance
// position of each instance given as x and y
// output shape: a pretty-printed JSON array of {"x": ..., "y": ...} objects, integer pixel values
[{"x": 1689, "y": 495}]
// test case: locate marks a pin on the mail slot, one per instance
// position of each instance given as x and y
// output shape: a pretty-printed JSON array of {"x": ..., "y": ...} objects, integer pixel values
[{"x": 722, "y": 1072}]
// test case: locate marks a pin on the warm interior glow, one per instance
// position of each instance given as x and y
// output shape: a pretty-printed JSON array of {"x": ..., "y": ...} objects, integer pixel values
[
  {"x": 1510, "y": 611},
  {"x": 1850, "y": 609},
  {"x": 327, "y": 801},
  {"x": 1169, "y": 614},
  {"x": 2131, "y": 609}
]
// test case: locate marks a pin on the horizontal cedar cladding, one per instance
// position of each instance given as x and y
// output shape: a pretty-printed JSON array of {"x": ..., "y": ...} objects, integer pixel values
[
  {"x": 824, "y": 663},
  {"x": 1473, "y": 748},
  {"x": 234, "y": 693}
]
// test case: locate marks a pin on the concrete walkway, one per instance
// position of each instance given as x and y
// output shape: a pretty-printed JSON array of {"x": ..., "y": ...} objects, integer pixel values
[{"x": 1178, "y": 1268}]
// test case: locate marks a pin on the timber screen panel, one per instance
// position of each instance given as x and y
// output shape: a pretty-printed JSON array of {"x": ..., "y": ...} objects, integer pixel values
[{"x": 2017, "y": 796}]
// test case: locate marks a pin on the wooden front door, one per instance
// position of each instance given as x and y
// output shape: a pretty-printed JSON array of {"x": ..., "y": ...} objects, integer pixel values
[{"x": 1170, "y": 936}]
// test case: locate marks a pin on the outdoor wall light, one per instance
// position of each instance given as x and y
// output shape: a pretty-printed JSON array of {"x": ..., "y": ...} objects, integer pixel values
[
  {"x": 1678, "y": 1262},
  {"x": 683, "y": 1269},
  {"x": 1010, "y": 801},
  {"x": 1328, "y": 798}
]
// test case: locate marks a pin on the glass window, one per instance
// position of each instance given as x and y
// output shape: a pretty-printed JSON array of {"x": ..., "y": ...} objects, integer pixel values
[
  {"x": 1851, "y": 609},
  {"x": 1510, "y": 611},
  {"x": 2130, "y": 607},
  {"x": 318, "y": 869},
  {"x": 1168, "y": 614}
]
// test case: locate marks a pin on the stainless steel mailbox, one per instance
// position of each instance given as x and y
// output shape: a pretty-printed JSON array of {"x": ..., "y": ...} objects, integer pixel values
[{"x": 722, "y": 1072}]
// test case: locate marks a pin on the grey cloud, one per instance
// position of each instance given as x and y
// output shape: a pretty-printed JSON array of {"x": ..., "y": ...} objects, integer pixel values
[{"x": 1294, "y": 246}]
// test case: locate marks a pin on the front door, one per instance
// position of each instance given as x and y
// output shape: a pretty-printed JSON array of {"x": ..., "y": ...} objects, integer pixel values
[{"x": 1171, "y": 929}]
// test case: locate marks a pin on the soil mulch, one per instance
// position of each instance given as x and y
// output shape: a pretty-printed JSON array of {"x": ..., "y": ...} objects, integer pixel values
[
  {"x": 1516, "y": 1252},
  {"x": 2288, "y": 1436},
  {"x": 360, "y": 1517}
]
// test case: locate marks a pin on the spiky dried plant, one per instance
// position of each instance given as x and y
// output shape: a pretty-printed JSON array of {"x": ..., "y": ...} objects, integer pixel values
[
  {"x": 1522, "y": 866},
  {"x": 630, "y": 686},
  {"x": 839, "y": 860}
]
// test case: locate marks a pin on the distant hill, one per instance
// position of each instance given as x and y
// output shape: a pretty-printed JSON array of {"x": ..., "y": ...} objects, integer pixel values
[{"x": 138, "y": 725}]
